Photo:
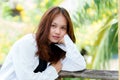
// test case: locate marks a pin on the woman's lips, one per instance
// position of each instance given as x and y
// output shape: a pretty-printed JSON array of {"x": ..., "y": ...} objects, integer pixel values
[{"x": 56, "y": 37}]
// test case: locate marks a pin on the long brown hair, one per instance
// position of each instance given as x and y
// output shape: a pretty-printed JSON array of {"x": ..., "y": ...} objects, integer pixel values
[{"x": 44, "y": 29}]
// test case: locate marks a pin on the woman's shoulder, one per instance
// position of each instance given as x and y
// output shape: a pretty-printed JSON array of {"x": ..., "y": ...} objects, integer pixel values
[
  {"x": 25, "y": 46},
  {"x": 26, "y": 39}
]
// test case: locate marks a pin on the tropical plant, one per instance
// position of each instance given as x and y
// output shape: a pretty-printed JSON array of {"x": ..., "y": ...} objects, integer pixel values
[{"x": 97, "y": 21}]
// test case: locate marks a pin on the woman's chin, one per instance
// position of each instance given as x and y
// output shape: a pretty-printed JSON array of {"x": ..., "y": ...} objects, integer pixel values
[{"x": 54, "y": 42}]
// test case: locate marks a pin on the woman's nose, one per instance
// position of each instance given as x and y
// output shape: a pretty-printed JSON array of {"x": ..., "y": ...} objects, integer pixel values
[{"x": 57, "y": 31}]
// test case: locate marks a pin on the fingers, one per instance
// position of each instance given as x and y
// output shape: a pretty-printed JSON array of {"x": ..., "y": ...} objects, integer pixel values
[
  {"x": 57, "y": 66},
  {"x": 61, "y": 41}
]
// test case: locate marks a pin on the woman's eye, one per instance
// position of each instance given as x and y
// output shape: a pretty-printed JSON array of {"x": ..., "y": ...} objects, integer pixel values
[
  {"x": 64, "y": 28},
  {"x": 53, "y": 26}
]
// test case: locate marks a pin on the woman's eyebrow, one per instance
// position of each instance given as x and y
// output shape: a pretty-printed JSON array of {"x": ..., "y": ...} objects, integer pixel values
[
  {"x": 54, "y": 23},
  {"x": 57, "y": 24}
]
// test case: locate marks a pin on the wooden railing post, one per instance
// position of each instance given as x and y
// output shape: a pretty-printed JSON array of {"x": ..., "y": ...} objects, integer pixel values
[{"x": 91, "y": 74}]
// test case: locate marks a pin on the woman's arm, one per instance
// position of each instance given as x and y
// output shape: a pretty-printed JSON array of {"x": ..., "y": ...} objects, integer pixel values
[{"x": 74, "y": 61}]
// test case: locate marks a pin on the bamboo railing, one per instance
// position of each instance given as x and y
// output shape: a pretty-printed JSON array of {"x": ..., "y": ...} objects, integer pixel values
[{"x": 90, "y": 74}]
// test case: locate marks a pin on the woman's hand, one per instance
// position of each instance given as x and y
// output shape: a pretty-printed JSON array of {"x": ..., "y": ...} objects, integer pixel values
[
  {"x": 57, "y": 66},
  {"x": 62, "y": 40}
]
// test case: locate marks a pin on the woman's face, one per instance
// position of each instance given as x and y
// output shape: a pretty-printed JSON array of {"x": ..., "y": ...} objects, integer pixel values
[{"x": 58, "y": 28}]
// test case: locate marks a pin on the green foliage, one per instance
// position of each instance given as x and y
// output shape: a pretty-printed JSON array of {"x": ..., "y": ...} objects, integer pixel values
[
  {"x": 6, "y": 11},
  {"x": 104, "y": 46},
  {"x": 45, "y": 4},
  {"x": 113, "y": 38},
  {"x": 20, "y": 14},
  {"x": 97, "y": 31}
]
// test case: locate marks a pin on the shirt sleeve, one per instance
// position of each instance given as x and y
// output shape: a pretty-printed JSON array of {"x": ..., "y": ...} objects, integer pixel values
[
  {"x": 74, "y": 61},
  {"x": 23, "y": 61}
]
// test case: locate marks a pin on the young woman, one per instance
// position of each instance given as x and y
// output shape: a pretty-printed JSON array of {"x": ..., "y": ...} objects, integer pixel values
[{"x": 41, "y": 56}]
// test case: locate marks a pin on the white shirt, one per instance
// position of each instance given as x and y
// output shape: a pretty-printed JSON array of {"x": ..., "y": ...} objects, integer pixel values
[{"x": 22, "y": 61}]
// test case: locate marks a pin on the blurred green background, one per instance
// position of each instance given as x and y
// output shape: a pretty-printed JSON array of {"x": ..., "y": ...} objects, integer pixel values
[{"x": 95, "y": 25}]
